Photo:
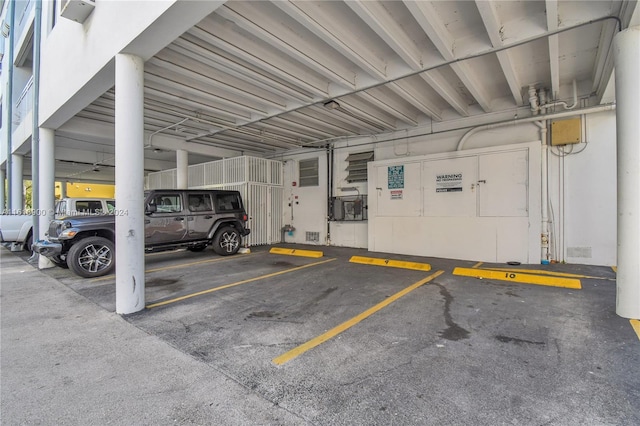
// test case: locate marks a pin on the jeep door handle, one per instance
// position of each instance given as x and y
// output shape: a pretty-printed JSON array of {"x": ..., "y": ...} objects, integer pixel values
[
  {"x": 179, "y": 219},
  {"x": 190, "y": 218},
  {"x": 208, "y": 217}
]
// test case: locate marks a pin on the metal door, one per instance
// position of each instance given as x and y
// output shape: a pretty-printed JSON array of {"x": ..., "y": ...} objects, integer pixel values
[
  {"x": 503, "y": 184},
  {"x": 200, "y": 215},
  {"x": 168, "y": 223}
]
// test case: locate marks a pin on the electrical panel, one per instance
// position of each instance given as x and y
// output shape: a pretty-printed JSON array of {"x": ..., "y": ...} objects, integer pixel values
[{"x": 565, "y": 132}]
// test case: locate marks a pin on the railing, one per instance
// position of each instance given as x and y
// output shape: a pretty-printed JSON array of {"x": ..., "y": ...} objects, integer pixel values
[
  {"x": 24, "y": 104},
  {"x": 23, "y": 9}
]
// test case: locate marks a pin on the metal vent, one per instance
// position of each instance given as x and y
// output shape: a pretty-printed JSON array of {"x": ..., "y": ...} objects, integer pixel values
[
  {"x": 312, "y": 237},
  {"x": 357, "y": 168}
]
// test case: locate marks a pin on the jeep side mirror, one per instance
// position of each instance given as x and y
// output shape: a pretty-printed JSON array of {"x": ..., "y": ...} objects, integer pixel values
[{"x": 151, "y": 208}]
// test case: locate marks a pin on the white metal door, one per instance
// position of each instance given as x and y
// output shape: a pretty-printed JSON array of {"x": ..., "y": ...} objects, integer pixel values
[
  {"x": 450, "y": 187},
  {"x": 503, "y": 184}
]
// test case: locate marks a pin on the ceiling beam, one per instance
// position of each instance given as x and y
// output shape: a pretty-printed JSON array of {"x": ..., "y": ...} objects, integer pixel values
[
  {"x": 323, "y": 26},
  {"x": 186, "y": 47},
  {"x": 551, "y": 7},
  {"x": 232, "y": 108},
  {"x": 389, "y": 105},
  {"x": 262, "y": 62},
  {"x": 427, "y": 17},
  {"x": 282, "y": 38},
  {"x": 190, "y": 70},
  {"x": 436, "y": 80},
  {"x": 489, "y": 15},
  {"x": 388, "y": 29}
]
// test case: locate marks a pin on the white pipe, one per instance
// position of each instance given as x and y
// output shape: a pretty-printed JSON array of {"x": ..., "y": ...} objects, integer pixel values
[
  {"x": 563, "y": 103},
  {"x": 591, "y": 110},
  {"x": 544, "y": 196},
  {"x": 149, "y": 144},
  {"x": 533, "y": 100}
]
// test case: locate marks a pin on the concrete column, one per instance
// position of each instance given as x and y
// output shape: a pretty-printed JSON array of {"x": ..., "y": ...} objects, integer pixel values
[
  {"x": 3, "y": 196},
  {"x": 63, "y": 189},
  {"x": 47, "y": 188},
  {"x": 16, "y": 193},
  {"x": 182, "y": 169},
  {"x": 129, "y": 183},
  {"x": 627, "y": 69}
]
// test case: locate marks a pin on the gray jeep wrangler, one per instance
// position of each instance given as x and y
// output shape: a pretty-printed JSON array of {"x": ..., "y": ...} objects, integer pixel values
[{"x": 191, "y": 219}]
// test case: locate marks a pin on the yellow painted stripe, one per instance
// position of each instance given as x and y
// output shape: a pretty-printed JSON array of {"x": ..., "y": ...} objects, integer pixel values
[
  {"x": 165, "y": 268},
  {"x": 477, "y": 265},
  {"x": 636, "y": 326},
  {"x": 211, "y": 290},
  {"x": 391, "y": 263},
  {"x": 295, "y": 352},
  {"x": 296, "y": 252},
  {"x": 519, "y": 278},
  {"x": 615, "y": 269},
  {"x": 556, "y": 274}
]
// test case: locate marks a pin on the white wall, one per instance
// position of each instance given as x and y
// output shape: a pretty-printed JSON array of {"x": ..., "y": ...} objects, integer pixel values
[
  {"x": 590, "y": 195},
  {"x": 589, "y": 230},
  {"x": 305, "y": 207}
]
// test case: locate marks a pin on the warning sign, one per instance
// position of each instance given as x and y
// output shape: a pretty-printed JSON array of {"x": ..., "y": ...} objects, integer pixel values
[
  {"x": 396, "y": 194},
  {"x": 450, "y": 182}
]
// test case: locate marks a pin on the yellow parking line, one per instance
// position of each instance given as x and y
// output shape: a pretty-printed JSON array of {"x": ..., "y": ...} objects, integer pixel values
[
  {"x": 557, "y": 274},
  {"x": 211, "y": 290},
  {"x": 288, "y": 356},
  {"x": 391, "y": 263},
  {"x": 477, "y": 265},
  {"x": 164, "y": 268},
  {"x": 519, "y": 278},
  {"x": 296, "y": 252},
  {"x": 636, "y": 326}
]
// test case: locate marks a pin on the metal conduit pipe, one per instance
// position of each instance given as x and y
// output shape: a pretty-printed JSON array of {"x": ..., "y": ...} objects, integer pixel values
[
  {"x": 590, "y": 110},
  {"x": 544, "y": 196},
  {"x": 150, "y": 144},
  {"x": 544, "y": 106}
]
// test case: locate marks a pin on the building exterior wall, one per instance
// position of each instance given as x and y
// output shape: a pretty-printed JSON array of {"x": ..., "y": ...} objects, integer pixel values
[{"x": 586, "y": 234}]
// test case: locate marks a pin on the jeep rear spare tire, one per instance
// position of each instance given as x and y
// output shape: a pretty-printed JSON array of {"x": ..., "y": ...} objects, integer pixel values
[
  {"x": 92, "y": 257},
  {"x": 227, "y": 241}
]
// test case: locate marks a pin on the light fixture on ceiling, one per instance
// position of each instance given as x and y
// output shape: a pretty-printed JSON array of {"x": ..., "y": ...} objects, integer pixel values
[{"x": 331, "y": 105}]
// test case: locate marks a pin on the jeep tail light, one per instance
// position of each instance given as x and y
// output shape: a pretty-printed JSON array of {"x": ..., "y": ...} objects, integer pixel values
[{"x": 245, "y": 217}]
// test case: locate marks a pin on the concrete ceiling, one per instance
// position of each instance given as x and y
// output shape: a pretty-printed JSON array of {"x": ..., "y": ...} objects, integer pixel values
[{"x": 263, "y": 77}]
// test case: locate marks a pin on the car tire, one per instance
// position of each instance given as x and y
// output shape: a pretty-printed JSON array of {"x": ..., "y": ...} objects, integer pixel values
[
  {"x": 227, "y": 241},
  {"x": 92, "y": 257},
  {"x": 29, "y": 243}
]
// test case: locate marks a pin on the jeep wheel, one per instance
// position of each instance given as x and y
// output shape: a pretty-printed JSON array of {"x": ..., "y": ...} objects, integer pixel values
[
  {"x": 92, "y": 257},
  {"x": 227, "y": 241}
]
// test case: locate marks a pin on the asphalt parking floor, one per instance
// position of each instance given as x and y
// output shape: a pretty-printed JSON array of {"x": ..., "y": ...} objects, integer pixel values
[{"x": 329, "y": 341}]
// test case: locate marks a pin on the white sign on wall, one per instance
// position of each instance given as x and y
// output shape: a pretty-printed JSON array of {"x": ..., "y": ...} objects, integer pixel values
[
  {"x": 396, "y": 194},
  {"x": 449, "y": 182}
]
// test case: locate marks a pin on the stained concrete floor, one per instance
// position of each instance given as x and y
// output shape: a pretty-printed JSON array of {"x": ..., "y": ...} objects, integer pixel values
[{"x": 452, "y": 350}]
